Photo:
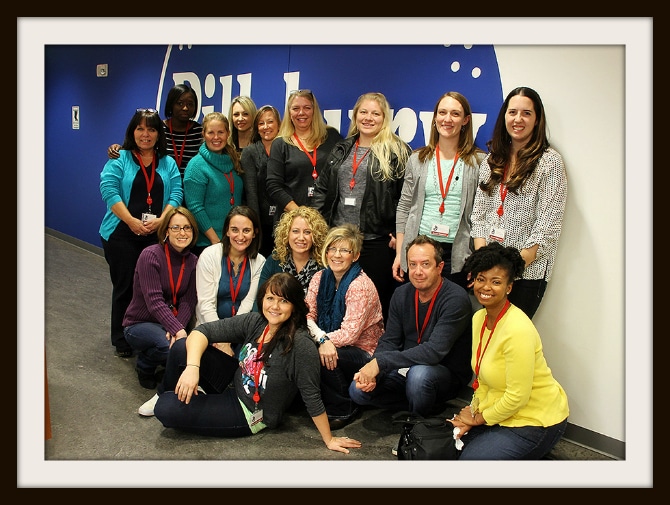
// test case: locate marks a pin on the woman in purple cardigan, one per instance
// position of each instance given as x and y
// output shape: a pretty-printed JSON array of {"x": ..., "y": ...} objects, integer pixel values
[{"x": 164, "y": 294}]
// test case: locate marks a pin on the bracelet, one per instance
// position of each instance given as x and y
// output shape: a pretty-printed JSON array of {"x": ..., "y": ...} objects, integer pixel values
[{"x": 191, "y": 364}]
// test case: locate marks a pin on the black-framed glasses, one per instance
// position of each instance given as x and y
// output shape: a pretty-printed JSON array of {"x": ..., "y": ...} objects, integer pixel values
[
  {"x": 150, "y": 111},
  {"x": 176, "y": 228},
  {"x": 301, "y": 92},
  {"x": 342, "y": 251}
]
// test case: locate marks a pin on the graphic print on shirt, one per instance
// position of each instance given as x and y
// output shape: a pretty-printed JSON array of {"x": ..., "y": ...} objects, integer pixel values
[{"x": 249, "y": 367}]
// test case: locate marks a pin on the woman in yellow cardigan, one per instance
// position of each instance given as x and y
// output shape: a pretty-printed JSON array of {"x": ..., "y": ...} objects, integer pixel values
[{"x": 518, "y": 410}]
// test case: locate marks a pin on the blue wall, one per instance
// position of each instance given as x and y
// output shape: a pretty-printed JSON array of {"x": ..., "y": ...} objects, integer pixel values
[{"x": 411, "y": 77}]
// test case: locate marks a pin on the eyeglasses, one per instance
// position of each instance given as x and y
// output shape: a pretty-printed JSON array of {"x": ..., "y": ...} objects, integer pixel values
[
  {"x": 150, "y": 111},
  {"x": 176, "y": 228},
  {"x": 343, "y": 252},
  {"x": 301, "y": 91}
]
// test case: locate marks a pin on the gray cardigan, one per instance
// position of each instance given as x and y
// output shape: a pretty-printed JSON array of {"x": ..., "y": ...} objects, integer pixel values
[
  {"x": 298, "y": 371},
  {"x": 410, "y": 208}
]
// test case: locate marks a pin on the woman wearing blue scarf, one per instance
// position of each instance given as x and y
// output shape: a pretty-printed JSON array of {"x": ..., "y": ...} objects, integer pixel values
[{"x": 345, "y": 319}]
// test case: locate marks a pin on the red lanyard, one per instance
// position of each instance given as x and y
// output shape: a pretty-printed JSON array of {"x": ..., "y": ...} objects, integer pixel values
[
  {"x": 478, "y": 359},
  {"x": 503, "y": 191},
  {"x": 234, "y": 291},
  {"x": 181, "y": 274},
  {"x": 231, "y": 182},
  {"x": 430, "y": 309},
  {"x": 354, "y": 166},
  {"x": 259, "y": 368},
  {"x": 178, "y": 157},
  {"x": 444, "y": 190},
  {"x": 150, "y": 181},
  {"x": 312, "y": 157}
]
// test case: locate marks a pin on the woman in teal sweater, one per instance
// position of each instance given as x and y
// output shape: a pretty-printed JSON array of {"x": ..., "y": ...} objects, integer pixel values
[
  {"x": 213, "y": 181},
  {"x": 518, "y": 410},
  {"x": 139, "y": 188}
]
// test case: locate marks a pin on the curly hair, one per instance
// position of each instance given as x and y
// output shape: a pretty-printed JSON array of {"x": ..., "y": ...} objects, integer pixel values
[
  {"x": 317, "y": 223},
  {"x": 496, "y": 255}
]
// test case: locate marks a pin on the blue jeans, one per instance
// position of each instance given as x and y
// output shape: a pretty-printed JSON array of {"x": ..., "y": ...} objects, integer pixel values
[
  {"x": 217, "y": 413},
  {"x": 424, "y": 391},
  {"x": 498, "y": 442},
  {"x": 150, "y": 342}
]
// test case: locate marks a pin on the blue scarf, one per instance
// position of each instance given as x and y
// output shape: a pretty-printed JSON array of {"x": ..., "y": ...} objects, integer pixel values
[{"x": 330, "y": 301}]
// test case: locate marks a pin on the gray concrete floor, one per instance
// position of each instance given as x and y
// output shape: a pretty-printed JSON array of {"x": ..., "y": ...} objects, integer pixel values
[{"x": 94, "y": 395}]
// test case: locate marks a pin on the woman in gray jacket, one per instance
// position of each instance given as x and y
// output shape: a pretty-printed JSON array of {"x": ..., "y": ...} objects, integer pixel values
[{"x": 439, "y": 189}]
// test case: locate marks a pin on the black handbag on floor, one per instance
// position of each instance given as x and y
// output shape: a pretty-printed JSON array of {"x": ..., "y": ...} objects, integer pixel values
[{"x": 425, "y": 438}]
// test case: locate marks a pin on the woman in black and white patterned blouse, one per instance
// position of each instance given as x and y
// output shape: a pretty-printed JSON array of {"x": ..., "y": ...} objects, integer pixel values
[{"x": 520, "y": 200}]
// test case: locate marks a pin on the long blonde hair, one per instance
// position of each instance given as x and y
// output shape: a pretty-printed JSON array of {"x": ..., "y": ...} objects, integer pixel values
[
  {"x": 386, "y": 143},
  {"x": 250, "y": 107}
]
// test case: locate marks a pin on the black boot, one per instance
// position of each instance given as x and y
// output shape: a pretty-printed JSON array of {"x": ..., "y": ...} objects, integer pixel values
[{"x": 147, "y": 380}]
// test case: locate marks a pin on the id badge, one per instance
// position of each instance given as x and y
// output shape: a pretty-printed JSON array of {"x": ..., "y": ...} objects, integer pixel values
[
  {"x": 310, "y": 192},
  {"x": 272, "y": 210},
  {"x": 474, "y": 405},
  {"x": 439, "y": 230},
  {"x": 497, "y": 233},
  {"x": 257, "y": 417},
  {"x": 146, "y": 216},
  {"x": 350, "y": 201}
]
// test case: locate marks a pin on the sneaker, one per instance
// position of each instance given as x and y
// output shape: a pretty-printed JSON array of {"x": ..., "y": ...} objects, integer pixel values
[
  {"x": 147, "y": 408},
  {"x": 394, "y": 450}
]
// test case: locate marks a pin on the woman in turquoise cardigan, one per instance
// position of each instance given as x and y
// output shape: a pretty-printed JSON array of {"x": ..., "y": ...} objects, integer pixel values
[
  {"x": 213, "y": 181},
  {"x": 139, "y": 188}
]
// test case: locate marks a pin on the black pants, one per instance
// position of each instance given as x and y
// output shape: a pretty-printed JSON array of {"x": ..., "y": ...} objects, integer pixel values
[
  {"x": 527, "y": 294},
  {"x": 335, "y": 383},
  {"x": 377, "y": 262},
  {"x": 121, "y": 253}
]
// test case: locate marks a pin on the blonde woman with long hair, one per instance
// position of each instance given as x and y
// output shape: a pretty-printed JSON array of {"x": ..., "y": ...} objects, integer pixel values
[
  {"x": 241, "y": 114},
  {"x": 362, "y": 186}
]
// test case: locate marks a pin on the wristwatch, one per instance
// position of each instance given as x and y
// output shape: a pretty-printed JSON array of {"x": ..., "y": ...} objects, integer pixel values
[{"x": 321, "y": 340}]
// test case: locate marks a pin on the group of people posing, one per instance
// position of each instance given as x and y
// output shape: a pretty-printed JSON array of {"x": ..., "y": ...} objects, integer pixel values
[{"x": 259, "y": 263}]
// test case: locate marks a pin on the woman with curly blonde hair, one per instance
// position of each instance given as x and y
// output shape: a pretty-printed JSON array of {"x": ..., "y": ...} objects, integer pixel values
[{"x": 299, "y": 238}]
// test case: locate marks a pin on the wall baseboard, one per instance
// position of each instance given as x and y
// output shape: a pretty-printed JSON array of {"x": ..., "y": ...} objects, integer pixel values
[
  {"x": 75, "y": 241},
  {"x": 583, "y": 437}
]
